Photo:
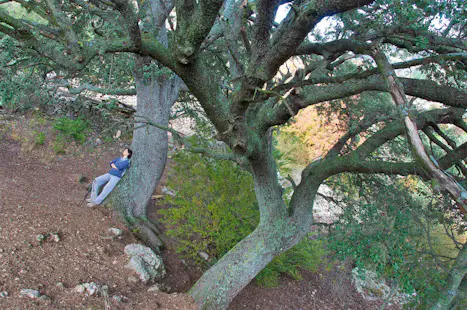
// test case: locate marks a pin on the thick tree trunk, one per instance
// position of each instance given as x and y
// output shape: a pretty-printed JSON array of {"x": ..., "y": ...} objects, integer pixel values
[
  {"x": 221, "y": 283},
  {"x": 453, "y": 282},
  {"x": 276, "y": 233},
  {"x": 461, "y": 296},
  {"x": 155, "y": 97}
]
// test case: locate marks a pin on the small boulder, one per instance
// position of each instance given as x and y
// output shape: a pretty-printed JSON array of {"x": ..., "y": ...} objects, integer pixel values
[
  {"x": 147, "y": 264},
  {"x": 44, "y": 298},
  {"x": 54, "y": 236},
  {"x": 204, "y": 255},
  {"x": 26, "y": 292},
  {"x": 88, "y": 288},
  {"x": 119, "y": 298},
  {"x": 132, "y": 279},
  {"x": 60, "y": 285},
  {"x": 154, "y": 288},
  {"x": 118, "y": 134},
  {"x": 116, "y": 231},
  {"x": 40, "y": 238}
]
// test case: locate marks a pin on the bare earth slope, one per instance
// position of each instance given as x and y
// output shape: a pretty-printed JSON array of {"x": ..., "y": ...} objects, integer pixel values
[
  {"x": 40, "y": 198},
  {"x": 40, "y": 195}
]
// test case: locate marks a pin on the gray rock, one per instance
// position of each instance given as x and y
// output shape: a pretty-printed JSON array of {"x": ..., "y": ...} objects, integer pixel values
[
  {"x": 118, "y": 134},
  {"x": 116, "y": 231},
  {"x": 119, "y": 298},
  {"x": 88, "y": 288},
  {"x": 3, "y": 294},
  {"x": 40, "y": 237},
  {"x": 159, "y": 287},
  {"x": 372, "y": 287},
  {"x": 55, "y": 237},
  {"x": 59, "y": 285},
  {"x": 80, "y": 288},
  {"x": 132, "y": 279},
  {"x": 104, "y": 290},
  {"x": 204, "y": 255},
  {"x": 145, "y": 262},
  {"x": 44, "y": 298},
  {"x": 154, "y": 288},
  {"x": 167, "y": 191},
  {"x": 26, "y": 292}
]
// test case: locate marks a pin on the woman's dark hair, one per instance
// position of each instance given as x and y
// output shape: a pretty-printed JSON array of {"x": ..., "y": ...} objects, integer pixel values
[{"x": 130, "y": 152}]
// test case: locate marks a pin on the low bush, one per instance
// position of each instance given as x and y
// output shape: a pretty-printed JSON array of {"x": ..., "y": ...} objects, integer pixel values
[
  {"x": 59, "y": 145},
  {"x": 214, "y": 207},
  {"x": 76, "y": 129},
  {"x": 39, "y": 138},
  {"x": 308, "y": 254}
]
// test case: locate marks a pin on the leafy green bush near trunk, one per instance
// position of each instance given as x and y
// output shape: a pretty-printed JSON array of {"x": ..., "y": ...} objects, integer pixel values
[{"x": 214, "y": 207}]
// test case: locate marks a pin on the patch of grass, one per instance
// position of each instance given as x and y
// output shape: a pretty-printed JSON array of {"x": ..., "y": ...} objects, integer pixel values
[
  {"x": 307, "y": 254},
  {"x": 39, "y": 119},
  {"x": 39, "y": 138},
  {"x": 59, "y": 146},
  {"x": 76, "y": 129}
]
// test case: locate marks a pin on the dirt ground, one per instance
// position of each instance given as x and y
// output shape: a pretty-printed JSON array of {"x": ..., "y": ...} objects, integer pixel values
[{"x": 41, "y": 193}]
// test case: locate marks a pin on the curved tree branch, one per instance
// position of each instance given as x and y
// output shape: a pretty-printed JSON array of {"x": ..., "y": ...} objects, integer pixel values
[{"x": 396, "y": 90}]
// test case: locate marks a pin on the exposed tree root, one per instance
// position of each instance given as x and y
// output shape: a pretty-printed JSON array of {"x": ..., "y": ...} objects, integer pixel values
[{"x": 144, "y": 232}]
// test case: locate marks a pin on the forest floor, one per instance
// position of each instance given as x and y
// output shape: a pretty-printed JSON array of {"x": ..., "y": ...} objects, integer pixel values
[{"x": 41, "y": 193}]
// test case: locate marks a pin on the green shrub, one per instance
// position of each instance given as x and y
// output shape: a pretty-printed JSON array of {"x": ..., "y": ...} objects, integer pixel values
[
  {"x": 59, "y": 145},
  {"x": 215, "y": 207},
  {"x": 387, "y": 233},
  {"x": 39, "y": 138},
  {"x": 20, "y": 83},
  {"x": 307, "y": 254},
  {"x": 76, "y": 129}
]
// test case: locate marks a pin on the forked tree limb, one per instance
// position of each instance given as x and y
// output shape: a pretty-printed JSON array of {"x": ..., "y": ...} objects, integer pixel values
[{"x": 396, "y": 90}]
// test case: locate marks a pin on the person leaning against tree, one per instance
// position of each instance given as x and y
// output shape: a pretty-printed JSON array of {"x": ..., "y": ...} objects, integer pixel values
[{"x": 118, "y": 167}]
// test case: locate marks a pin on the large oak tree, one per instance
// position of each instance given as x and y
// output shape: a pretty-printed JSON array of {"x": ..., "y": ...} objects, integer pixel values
[{"x": 230, "y": 53}]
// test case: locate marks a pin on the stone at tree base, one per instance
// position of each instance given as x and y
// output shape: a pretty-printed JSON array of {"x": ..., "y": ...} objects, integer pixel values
[
  {"x": 372, "y": 287},
  {"x": 26, "y": 292},
  {"x": 204, "y": 255},
  {"x": 145, "y": 262}
]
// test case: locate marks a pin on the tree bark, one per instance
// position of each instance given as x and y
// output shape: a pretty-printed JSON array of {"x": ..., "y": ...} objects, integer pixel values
[
  {"x": 453, "y": 282},
  {"x": 396, "y": 90},
  {"x": 221, "y": 283},
  {"x": 155, "y": 97},
  {"x": 276, "y": 233},
  {"x": 156, "y": 92}
]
